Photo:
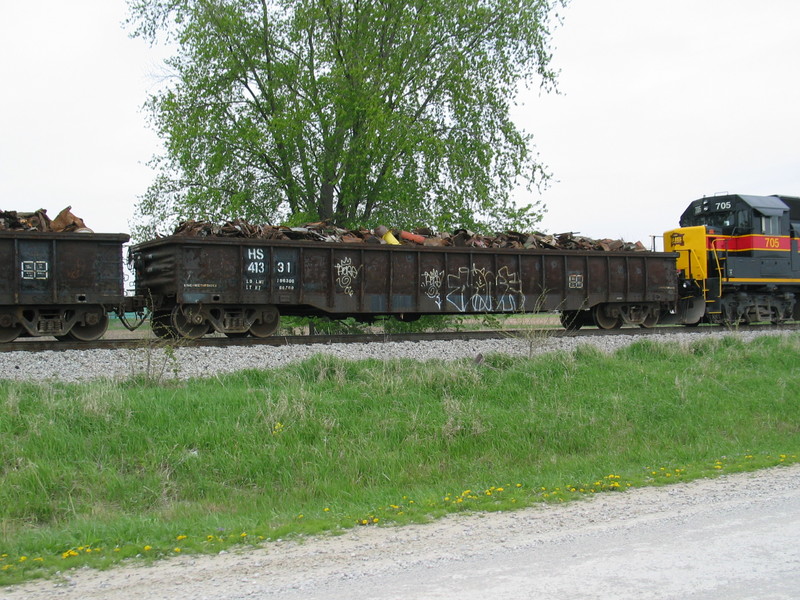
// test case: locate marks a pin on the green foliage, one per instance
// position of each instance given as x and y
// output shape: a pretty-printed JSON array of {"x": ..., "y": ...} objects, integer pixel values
[
  {"x": 388, "y": 325},
  {"x": 361, "y": 113},
  {"x": 96, "y": 472}
]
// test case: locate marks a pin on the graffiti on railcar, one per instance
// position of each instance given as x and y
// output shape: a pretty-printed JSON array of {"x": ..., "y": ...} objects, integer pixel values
[
  {"x": 510, "y": 287},
  {"x": 432, "y": 283},
  {"x": 476, "y": 289},
  {"x": 347, "y": 274}
]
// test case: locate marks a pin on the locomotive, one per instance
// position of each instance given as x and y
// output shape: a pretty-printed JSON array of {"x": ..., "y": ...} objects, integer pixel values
[
  {"x": 739, "y": 258},
  {"x": 734, "y": 259}
]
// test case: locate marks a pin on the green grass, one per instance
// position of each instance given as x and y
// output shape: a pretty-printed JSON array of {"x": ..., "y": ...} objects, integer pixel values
[{"x": 96, "y": 473}]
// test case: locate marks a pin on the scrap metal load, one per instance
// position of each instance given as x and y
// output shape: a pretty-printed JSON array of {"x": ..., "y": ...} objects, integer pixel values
[
  {"x": 39, "y": 221},
  {"x": 324, "y": 232}
]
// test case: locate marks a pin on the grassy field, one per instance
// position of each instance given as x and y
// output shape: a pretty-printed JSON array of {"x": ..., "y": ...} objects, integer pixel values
[{"x": 96, "y": 473}]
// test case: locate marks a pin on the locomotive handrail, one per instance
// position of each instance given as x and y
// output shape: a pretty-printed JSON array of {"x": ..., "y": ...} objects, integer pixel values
[
  {"x": 694, "y": 260},
  {"x": 715, "y": 251}
]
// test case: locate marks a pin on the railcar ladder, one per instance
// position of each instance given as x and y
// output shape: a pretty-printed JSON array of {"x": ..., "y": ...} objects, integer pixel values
[{"x": 721, "y": 274}]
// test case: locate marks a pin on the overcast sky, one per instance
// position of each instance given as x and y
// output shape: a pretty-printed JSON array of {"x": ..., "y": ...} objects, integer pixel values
[{"x": 661, "y": 103}]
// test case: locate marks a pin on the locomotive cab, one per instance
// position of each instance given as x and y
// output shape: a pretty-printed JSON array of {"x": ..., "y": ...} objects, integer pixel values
[{"x": 741, "y": 254}]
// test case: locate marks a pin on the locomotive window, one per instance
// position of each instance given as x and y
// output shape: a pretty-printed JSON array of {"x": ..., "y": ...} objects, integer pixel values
[
  {"x": 743, "y": 220},
  {"x": 770, "y": 225},
  {"x": 723, "y": 220}
]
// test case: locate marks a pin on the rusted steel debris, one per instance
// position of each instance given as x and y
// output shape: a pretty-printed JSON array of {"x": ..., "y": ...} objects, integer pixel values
[
  {"x": 326, "y": 232},
  {"x": 39, "y": 221}
]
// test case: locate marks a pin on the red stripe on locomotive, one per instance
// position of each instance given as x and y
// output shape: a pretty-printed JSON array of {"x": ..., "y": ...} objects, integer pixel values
[{"x": 747, "y": 243}]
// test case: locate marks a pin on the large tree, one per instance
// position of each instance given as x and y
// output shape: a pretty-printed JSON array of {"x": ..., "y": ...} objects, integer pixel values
[{"x": 355, "y": 111}]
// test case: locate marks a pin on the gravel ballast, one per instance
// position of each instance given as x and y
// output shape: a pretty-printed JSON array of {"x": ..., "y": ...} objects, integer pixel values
[{"x": 186, "y": 362}]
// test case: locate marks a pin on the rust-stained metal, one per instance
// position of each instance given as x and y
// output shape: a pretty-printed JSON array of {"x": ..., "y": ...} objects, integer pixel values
[
  {"x": 60, "y": 284},
  {"x": 237, "y": 285},
  {"x": 39, "y": 221},
  {"x": 325, "y": 232}
]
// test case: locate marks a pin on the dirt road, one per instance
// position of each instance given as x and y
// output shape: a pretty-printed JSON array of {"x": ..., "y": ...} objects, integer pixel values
[{"x": 733, "y": 537}]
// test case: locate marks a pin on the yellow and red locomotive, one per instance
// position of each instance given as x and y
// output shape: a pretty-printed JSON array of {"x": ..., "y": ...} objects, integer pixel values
[{"x": 739, "y": 259}]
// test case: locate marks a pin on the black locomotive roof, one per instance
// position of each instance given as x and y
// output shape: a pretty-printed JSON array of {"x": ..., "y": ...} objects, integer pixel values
[
  {"x": 766, "y": 205},
  {"x": 793, "y": 202},
  {"x": 769, "y": 206}
]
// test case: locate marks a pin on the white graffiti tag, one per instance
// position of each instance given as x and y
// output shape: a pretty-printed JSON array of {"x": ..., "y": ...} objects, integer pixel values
[
  {"x": 457, "y": 286},
  {"x": 432, "y": 283},
  {"x": 346, "y": 274},
  {"x": 509, "y": 288},
  {"x": 483, "y": 291}
]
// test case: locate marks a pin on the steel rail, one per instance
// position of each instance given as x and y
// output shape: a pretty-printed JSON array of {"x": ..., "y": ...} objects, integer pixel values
[{"x": 49, "y": 344}]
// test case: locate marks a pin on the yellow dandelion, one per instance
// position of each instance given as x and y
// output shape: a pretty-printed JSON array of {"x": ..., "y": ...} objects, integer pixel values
[
  {"x": 176, "y": 549},
  {"x": 180, "y": 538},
  {"x": 148, "y": 548}
]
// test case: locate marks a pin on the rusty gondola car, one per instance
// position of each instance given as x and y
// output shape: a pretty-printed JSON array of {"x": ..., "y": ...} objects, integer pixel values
[
  {"x": 59, "y": 284},
  {"x": 239, "y": 287}
]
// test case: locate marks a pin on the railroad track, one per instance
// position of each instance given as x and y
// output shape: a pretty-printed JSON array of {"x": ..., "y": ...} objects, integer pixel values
[{"x": 47, "y": 344}]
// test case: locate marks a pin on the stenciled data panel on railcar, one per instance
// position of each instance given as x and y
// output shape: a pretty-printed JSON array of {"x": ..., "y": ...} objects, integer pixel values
[{"x": 255, "y": 270}]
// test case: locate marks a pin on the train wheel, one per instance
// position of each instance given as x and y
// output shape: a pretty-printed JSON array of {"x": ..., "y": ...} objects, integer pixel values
[
  {"x": 161, "y": 324},
  {"x": 90, "y": 331},
  {"x": 267, "y": 323},
  {"x": 650, "y": 320},
  {"x": 603, "y": 321},
  {"x": 186, "y": 326},
  {"x": 571, "y": 320},
  {"x": 9, "y": 333}
]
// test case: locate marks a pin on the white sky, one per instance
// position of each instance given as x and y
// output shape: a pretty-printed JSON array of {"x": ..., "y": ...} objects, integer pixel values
[{"x": 662, "y": 103}]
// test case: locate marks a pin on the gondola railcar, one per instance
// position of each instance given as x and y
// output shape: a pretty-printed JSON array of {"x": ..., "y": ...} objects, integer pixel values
[{"x": 241, "y": 286}]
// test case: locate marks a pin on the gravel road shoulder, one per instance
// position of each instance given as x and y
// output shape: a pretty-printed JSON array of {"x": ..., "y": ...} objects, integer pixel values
[{"x": 306, "y": 568}]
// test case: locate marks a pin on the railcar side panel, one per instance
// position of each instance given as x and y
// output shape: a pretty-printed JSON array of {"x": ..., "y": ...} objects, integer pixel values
[
  {"x": 64, "y": 268},
  {"x": 369, "y": 280}
]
